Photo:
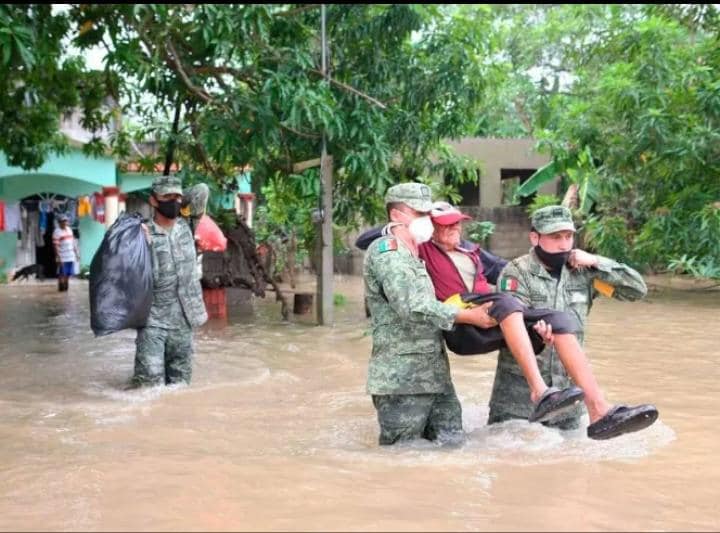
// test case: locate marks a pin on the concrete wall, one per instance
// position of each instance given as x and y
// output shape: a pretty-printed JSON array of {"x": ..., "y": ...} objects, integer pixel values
[
  {"x": 496, "y": 154},
  {"x": 512, "y": 226},
  {"x": 8, "y": 249},
  {"x": 90, "y": 234}
]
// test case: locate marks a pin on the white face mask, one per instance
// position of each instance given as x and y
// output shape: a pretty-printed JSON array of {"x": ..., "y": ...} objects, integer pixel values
[{"x": 421, "y": 229}]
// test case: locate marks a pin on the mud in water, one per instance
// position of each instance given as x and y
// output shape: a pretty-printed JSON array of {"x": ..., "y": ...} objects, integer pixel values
[{"x": 277, "y": 433}]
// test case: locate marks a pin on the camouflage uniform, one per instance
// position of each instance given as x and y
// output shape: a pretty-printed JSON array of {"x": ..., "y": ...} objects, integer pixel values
[
  {"x": 164, "y": 345},
  {"x": 531, "y": 282},
  {"x": 194, "y": 204},
  {"x": 409, "y": 372}
]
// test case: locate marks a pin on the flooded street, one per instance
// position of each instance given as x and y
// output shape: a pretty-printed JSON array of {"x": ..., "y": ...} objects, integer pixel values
[{"x": 276, "y": 431}]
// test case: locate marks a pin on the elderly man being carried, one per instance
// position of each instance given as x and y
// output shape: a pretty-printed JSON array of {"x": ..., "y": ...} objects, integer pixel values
[{"x": 461, "y": 273}]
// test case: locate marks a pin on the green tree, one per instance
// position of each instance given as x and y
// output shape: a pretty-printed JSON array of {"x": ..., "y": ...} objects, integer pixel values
[
  {"x": 245, "y": 81},
  {"x": 634, "y": 126},
  {"x": 40, "y": 82}
]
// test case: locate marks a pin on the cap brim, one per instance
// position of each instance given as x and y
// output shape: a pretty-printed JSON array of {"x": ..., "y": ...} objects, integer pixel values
[
  {"x": 168, "y": 190},
  {"x": 449, "y": 218},
  {"x": 559, "y": 226},
  {"x": 422, "y": 206}
]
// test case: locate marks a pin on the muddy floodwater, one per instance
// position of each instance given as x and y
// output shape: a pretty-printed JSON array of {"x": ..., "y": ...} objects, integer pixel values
[{"x": 276, "y": 431}]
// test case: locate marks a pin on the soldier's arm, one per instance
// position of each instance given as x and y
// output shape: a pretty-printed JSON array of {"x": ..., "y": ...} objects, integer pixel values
[
  {"x": 617, "y": 280},
  {"x": 400, "y": 281},
  {"x": 512, "y": 281}
]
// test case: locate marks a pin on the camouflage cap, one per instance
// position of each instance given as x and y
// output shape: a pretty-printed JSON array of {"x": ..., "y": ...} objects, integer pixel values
[
  {"x": 416, "y": 195},
  {"x": 552, "y": 218},
  {"x": 167, "y": 185}
]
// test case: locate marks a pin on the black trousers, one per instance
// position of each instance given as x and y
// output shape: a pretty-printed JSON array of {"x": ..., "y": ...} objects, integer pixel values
[{"x": 465, "y": 339}]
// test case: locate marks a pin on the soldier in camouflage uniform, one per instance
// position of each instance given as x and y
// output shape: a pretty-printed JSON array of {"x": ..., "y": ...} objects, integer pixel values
[
  {"x": 409, "y": 373},
  {"x": 556, "y": 276},
  {"x": 164, "y": 345}
]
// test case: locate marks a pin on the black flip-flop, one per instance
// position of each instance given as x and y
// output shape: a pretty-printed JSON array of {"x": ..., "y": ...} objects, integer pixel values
[
  {"x": 622, "y": 419},
  {"x": 554, "y": 402}
]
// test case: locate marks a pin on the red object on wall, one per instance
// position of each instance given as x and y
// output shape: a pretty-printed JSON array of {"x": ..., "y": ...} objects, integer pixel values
[{"x": 215, "y": 302}]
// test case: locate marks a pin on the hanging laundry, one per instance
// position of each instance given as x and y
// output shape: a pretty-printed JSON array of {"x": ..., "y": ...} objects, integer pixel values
[
  {"x": 72, "y": 211},
  {"x": 34, "y": 224},
  {"x": 29, "y": 231},
  {"x": 44, "y": 207},
  {"x": 2, "y": 216},
  {"x": 84, "y": 207},
  {"x": 98, "y": 201},
  {"x": 12, "y": 217}
]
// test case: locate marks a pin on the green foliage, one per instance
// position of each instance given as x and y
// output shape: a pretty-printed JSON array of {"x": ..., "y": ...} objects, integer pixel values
[
  {"x": 623, "y": 97},
  {"x": 703, "y": 269},
  {"x": 540, "y": 201},
  {"x": 339, "y": 299},
  {"x": 39, "y": 83},
  {"x": 479, "y": 231},
  {"x": 626, "y": 101},
  {"x": 543, "y": 175},
  {"x": 609, "y": 236},
  {"x": 245, "y": 82}
]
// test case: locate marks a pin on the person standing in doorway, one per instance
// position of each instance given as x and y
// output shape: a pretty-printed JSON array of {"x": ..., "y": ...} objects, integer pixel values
[{"x": 66, "y": 252}]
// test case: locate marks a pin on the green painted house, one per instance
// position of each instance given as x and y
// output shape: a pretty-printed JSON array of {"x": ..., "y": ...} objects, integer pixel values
[{"x": 62, "y": 181}]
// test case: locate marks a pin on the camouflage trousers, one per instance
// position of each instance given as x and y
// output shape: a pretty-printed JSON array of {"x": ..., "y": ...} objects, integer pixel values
[
  {"x": 163, "y": 356},
  {"x": 510, "y": 400},
  {"x": 415, "y": 416}
]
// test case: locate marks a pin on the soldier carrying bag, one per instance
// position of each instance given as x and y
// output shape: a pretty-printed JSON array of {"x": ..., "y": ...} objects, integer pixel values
[{"x": 121, "y": 278}]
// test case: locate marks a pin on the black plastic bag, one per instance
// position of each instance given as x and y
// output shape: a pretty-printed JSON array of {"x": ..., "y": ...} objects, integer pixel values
[{"x": 121, "y": 279}]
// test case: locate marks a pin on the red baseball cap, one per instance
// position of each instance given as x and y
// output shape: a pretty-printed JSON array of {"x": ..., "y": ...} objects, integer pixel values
[{"x": 445, "y": 214}]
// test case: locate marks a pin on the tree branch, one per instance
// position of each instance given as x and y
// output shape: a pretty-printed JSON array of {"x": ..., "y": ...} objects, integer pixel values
[
  {"x": 300, "y": 133},
  {"x": 174, "y": 63},
  {"x": 241, "y": 74},
  {"x": 350, "y": 89},
  {"x": 524, "y": 118}
]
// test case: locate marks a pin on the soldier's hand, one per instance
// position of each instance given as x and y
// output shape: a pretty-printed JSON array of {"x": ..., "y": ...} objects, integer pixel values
[
  {"x": 580, "y": 258},
  {"x": 545, "y": 331},
  {"x": 477, "y": 316}
]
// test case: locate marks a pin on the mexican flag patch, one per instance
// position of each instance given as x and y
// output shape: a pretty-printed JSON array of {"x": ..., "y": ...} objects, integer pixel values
[
  {"x": 509, "y": 284},
  {"x": 387, "y": 245}
]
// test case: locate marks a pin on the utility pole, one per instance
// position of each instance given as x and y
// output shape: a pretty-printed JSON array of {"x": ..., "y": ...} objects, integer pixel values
[{"x": 324, "y": 295}]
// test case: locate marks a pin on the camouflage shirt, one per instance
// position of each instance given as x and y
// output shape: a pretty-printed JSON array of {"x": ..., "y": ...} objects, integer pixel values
[
  {"x": 177, "y": 296},
  {"x": 573, "y": 293},
  {"x": 408, "y": 354}
]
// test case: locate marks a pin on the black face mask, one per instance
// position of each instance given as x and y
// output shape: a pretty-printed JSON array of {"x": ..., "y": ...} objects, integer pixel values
[
  {"x": 169, "y": 208},
  {"x": 554, "y": 261}
]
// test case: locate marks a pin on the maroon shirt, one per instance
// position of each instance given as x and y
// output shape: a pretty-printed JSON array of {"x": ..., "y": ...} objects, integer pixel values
[{"x": 444, "y": 274}]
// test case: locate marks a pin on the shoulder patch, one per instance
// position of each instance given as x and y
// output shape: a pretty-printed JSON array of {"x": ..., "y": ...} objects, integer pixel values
[
  {"x": 387, "y": 245},
  {"x": 603, "y": 288},
  {"x": 508, "y": 283}
]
